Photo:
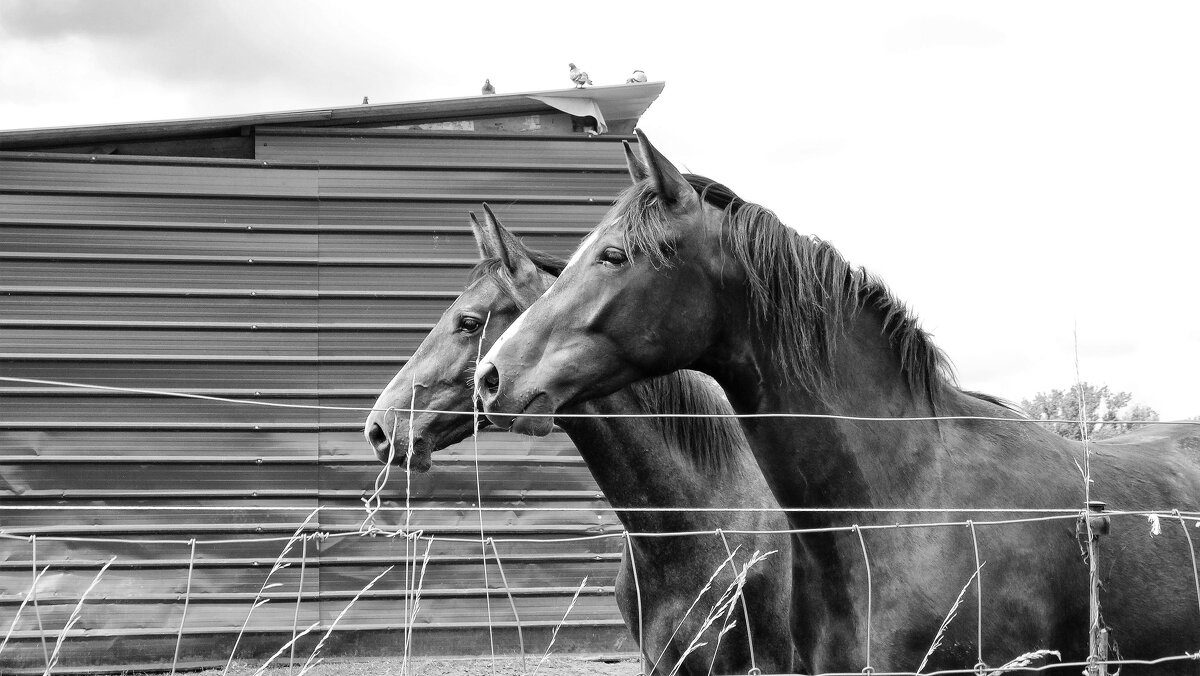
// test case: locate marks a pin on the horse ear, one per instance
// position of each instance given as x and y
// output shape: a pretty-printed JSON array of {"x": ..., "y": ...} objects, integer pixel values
[
  {"x": 509, "y": 249},
  {"x": 670, "y": 185},
  {"x": 637, "y": 170},
  {"x": 483, "y": 241}
]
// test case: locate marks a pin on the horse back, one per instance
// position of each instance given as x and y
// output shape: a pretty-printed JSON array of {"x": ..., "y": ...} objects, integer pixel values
[
  {"x": 1147, "y": 560},
  {"x": 1156, "y": 467}
]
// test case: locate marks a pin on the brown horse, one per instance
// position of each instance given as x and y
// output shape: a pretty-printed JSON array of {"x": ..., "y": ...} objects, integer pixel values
[
  {"x": 637, "y": 462},
  {"x": 681, "y": 273}
]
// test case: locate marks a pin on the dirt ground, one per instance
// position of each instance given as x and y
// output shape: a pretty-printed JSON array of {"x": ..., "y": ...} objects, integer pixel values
[{"x": 505, "y": 666}]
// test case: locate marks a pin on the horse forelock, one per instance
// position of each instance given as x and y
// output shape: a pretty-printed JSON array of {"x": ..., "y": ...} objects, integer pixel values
[
  {"x": 643, "y": 223},
  {"x": 494, "y": 269},
  {"x": 710, "y": 441},
  {"x": 802, "y": 291}
]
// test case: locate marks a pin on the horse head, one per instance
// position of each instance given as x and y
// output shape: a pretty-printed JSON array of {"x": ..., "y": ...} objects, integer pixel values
[
  {"x": 437, "y": 381},
  {"x": 637, "y": 299}
]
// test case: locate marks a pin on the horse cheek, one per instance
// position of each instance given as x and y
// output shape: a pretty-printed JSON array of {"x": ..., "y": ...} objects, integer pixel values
[{"x": 690, "y": 332}]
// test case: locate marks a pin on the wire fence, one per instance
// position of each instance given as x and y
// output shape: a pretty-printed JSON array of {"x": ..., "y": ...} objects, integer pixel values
[{"x": 295, "y": 553}]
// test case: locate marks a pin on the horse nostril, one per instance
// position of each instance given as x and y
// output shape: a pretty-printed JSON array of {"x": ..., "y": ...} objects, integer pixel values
[
  {"x": 487, "y": 379},
  {"x": 379, "y": 439}
]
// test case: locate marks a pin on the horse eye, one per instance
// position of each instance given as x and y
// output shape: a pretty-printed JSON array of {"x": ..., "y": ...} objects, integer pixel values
[
  {"x": 613, "y": 256},
  {"x": 468, "y": 324}
]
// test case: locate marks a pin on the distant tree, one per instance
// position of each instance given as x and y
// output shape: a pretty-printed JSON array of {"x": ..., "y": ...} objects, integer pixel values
[{"x": 1109, "y": 413}]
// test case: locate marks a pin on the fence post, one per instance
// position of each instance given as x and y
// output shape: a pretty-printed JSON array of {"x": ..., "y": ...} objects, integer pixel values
[{"x": 1090, "y": 529}]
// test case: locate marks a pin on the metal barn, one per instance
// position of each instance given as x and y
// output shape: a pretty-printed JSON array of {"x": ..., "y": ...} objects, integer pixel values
[{"x": 292, "y": 258}]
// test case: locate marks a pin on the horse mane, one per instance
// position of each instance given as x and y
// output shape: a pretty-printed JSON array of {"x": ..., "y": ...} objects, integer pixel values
[
  {"x": 678, "y": 392},
  {"x": 494, "y": 268},
  {"x": 802, "y": 291},
  {"x": 1011, "y": 407},
  {"x": 711, "y": 441}
]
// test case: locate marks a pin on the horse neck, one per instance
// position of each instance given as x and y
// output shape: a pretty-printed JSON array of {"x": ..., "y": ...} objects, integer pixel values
[
  {"x": 832, "y": 462},
  {"x": 634, "y": 464}
]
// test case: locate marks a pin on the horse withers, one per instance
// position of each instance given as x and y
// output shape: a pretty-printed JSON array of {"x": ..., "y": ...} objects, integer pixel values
[
  {"x": 638, "y": 462},
  {"x": 682, "y": 273}
]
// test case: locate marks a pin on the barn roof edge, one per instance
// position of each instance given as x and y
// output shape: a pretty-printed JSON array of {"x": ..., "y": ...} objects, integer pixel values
[{"x": 615, "y": 102}]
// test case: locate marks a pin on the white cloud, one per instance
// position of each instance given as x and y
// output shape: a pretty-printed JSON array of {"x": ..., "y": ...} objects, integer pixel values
[
  {"x": 1011, "y": 169},
  {"x": 926, "y": 32}
]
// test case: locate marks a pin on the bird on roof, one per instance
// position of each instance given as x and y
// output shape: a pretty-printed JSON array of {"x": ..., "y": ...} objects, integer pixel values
[
  {"x": 365, "y": 101},
  {"x": 638, "y": 77},
  {"x": 488, "y": 88},
  {"x": 579, "y": 77}
]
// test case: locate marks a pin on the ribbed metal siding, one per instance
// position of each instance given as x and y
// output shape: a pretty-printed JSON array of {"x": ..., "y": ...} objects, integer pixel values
[
  {"x": 387, "y": 147},
  {"x": 287, "y": 280}
]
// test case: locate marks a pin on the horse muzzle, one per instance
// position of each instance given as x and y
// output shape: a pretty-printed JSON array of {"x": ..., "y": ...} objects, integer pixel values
[{"x": 532, "y": 414}]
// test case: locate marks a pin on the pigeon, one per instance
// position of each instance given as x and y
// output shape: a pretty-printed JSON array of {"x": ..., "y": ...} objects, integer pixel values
[
  {"x": 579, "y": 77},
  {"x": 488, "y": 88},
  {"x": 365, "y": 101},
  {"x": 638, "y": 77}
]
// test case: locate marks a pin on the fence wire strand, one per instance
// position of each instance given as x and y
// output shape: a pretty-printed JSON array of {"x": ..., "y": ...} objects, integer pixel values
[
  {"x": 373, "y": 505},
  {"x": 34, "y": 590},
  {"x": 617, "y": 532},
  {"x": 813, "y": 416},
  {"x": 637, "y": 590},
  {"x": 296, "y": 611},
  {"x": 867, "y": 668},
  {"x": 487, "y": 595},
  {"x": 1192, "y": 552},
  {"x": 980, "y": 665},
  {"x": 187, "y": 595},
  {"x": 858, "y": 529}
]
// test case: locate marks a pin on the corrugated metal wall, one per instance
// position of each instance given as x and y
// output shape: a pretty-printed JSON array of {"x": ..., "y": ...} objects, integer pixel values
[{"x": 305, "y": 277}]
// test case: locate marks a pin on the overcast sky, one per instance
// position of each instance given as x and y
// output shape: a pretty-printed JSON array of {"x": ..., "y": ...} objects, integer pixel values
[{"x": 1018, "y": 172}]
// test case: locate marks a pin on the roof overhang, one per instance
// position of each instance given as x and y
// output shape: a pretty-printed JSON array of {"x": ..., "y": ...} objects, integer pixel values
[{"x": 614, "y": 102}]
